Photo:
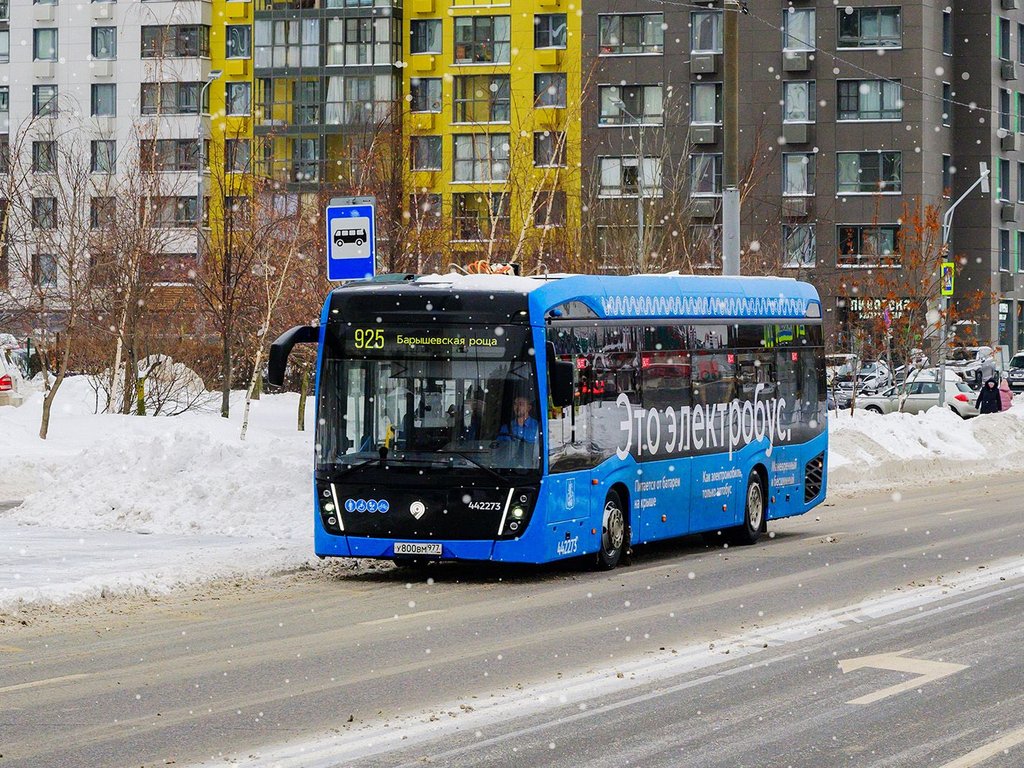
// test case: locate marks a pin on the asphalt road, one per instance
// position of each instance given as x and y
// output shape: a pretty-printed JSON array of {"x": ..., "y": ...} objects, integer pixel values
[{"x": 691, "y": 656}]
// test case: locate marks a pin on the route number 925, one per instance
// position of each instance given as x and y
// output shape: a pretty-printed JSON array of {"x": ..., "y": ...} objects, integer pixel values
[{"x": 369, "y": 338}]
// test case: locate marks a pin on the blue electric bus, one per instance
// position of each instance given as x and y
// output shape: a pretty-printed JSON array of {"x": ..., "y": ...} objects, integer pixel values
[{"x": 520, "y": 419}]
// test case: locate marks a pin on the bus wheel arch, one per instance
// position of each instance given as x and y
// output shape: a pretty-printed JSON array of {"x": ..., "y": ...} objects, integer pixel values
[
  {"x": 755, "y": 508},
  {"x": 613, "y": 544}
]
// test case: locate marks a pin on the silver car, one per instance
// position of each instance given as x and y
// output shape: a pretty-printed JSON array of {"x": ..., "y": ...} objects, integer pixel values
[{"x": 920, "y": 396}]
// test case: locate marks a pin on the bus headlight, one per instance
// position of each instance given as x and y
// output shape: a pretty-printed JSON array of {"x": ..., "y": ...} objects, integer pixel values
[{"x": 517, "y": 514}]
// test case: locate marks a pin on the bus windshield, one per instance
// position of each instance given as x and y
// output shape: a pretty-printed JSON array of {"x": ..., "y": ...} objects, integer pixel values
[{"x": 452, "y": 396}]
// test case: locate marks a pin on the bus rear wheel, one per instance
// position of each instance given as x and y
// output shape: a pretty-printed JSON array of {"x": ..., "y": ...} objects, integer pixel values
[
  {"x": 753, "y": 513},
  {"x": 613, "y": 533}
]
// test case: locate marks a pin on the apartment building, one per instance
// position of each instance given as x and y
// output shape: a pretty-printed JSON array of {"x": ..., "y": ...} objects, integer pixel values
[
  {"x": 851, "y": 115},
  {"x": 492, "y": 123}
]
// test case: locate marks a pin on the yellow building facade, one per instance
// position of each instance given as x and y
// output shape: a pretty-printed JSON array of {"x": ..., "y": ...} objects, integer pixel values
[{"x": 491, "y": 125}]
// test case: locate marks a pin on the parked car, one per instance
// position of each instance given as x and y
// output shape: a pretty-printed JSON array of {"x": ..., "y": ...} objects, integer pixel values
[
  {"x": 1015, "y": 372},
  {"x": 921, "y": 394},
  {"x": 968, "y": 362},
  {"x": 839, "y": 366},
  {"x": 12, "y": 385}
]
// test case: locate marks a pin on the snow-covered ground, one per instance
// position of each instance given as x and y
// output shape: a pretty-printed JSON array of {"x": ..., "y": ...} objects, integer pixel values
[{"x": 123, "y": 504}]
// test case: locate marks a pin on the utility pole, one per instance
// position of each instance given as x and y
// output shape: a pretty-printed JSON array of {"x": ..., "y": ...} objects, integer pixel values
[
  {"x": 947, "y": 223},
  {"x": 731, "y": 125}
]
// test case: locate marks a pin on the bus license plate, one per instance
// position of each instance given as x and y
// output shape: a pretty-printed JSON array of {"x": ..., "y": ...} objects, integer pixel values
[{"x": 416, "y": 548}]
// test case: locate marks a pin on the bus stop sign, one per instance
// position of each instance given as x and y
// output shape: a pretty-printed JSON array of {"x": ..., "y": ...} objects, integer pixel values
[{"x": 351, "y": 235}]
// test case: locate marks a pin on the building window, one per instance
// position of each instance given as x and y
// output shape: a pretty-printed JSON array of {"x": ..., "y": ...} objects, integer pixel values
[
  {"x": 630, "y": 33},
  {"x": 479, "y": 215},
  {"x": 425, "y": 36},
  {"x": 549, "y": 208},
  {"x": 175, "y": 41},
  {"x": 947, "y": 104},
  {"x": 800, "y": 245},
  {"x": 798, "y": 29},
  {"x": 798, "y": 101},
  {"x": 947, "y": 33},
  {"x": 173, "y": 212},
  {"x": 104, "y": 42},
  {"x": 238, "y": 98},
  {"x": 798, "y": 173},
  {"x": 706, "y": 32},
  {"x": 1003, "y": 180},
  {"x": 426, "y": 153},
  {"x": 625, "y": 104},
  {"x": 1004, "y": 250},
  {"x": 238, "y": 41},
  {"x": 1004, "y": 109},
  {"x": 947, "y": 176},
  {"x": 237, "y": 155},
  {"x": 481, "y": 99},
  {"x": 868, "y": 245},
  {"x": 44, "y": 156},
  {"x": 1003, "y": 39},
  {"x": 44, "y": 212},
  {"x": 173, "y": 98},
  {"x": 482, "y": 39},
  {"x": 549, "y": 30},
  {"x": 705, "y": 175},
  {"x": 706, "y": 104},
  {"x": 104, "y": 100},
  {"x": 426, "y": 210},
  {"x": 103, "y": 156},
  {"x": 44, "y": 270},
  {"x": 44, "y": 100},
  {"x": 869, "y": 172},
  {"x": 102, "y": 211},
  {"x": 1020, "y": 268},
  {"x": 287, "y": 43},
  {"x": 44, "y": 44},
  {"x": 358, "y": 41},
  {"x": 549, "y": 149},
  {"x": 425, "y": 94},
  {"x": 481, "y": 157},
  {"x": 169, "y": 155},
  {"x": 870, "y": 28},
  {"x": 870, "y": 100},
  {"x": 549, "y": 89},
  {"x": 5, "y": 109},
  {"x": 305, "y": 159},
  {"x": 622, "y": 177},
  {"x": 5, "y": 46}
]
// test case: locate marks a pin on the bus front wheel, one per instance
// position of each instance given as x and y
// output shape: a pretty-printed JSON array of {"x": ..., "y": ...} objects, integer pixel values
[
  {"x": 753, "y": 513},
  {"x": 613, "y": 533}
]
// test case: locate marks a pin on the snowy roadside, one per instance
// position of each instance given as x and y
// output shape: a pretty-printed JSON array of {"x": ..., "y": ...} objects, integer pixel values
[{"x": 128, "y": 505}]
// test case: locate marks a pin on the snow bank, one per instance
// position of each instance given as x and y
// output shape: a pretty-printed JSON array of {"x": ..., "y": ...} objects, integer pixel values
[{"x": 122, "y": 504}]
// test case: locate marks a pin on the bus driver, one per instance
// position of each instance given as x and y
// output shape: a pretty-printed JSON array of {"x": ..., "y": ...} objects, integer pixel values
[{"x": 523, "y": 426}]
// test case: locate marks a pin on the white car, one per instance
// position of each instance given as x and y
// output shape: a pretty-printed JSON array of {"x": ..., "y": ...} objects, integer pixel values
[
  {"x": 12, "y": 385},
  {"x": 921, "y": 394}
]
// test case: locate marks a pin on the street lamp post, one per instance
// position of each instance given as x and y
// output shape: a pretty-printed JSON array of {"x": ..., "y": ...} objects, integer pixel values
[
  {"x": 947, "y": 221},
  {"x": 200, "y": 199},
  {"x": 641, "y": 258}
]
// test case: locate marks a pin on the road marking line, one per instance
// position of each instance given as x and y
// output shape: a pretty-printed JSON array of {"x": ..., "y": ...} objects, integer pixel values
[
  {"x": 10, "y": 649},
  {"x": 958, "y": 511},
  {"x": 925, "y": 670},
  {"x": 1012, "y": 739},
  {"x": 38, "y": 683},
  {"x": 397, "y": 617}
]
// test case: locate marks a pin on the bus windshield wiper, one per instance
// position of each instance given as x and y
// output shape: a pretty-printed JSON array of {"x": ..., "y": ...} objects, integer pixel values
[
  {"x": 352, "y": 468},
  {"x": 476, "y": 463}
]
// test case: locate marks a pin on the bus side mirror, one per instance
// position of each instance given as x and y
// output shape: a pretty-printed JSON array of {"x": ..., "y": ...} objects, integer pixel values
[
  {"x": 282, "y": 347},
  {"x": 560, "y": 380}
]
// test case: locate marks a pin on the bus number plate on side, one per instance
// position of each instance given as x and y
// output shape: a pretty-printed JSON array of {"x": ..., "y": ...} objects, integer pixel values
[{"x": 414, "y": 548}]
